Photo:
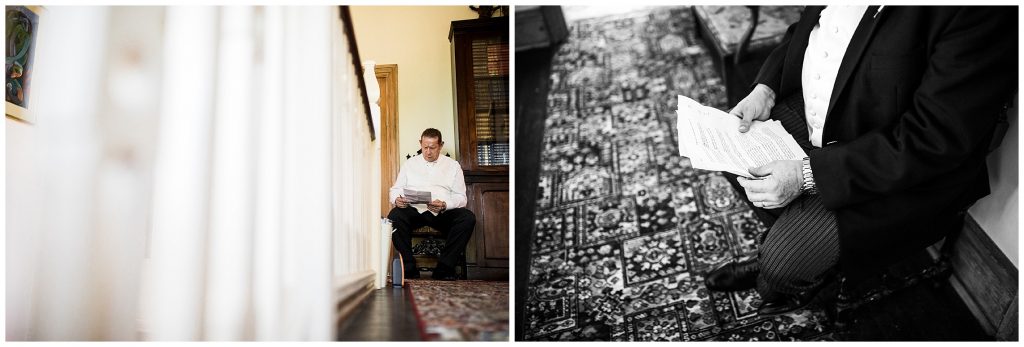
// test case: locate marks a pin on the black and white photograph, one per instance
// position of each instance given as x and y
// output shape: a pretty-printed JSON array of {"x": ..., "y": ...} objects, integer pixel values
[{"x": 766, "y": 173}]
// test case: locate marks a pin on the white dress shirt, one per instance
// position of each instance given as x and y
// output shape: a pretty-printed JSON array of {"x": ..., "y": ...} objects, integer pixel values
[
  {"x": 442, "y": 178},
  {"x": 825, "y": 50}
]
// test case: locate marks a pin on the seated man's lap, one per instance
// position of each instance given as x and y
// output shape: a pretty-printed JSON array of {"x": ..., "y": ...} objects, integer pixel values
[
  {"x": 802, "y": 243},
  {"x": 407, "y": 215},
  {"x": 443, "y": 222},
  {"x": 800, "y": 248},
  {"x": 456, "y": 217},
  {"x": 789, "y": 112}
]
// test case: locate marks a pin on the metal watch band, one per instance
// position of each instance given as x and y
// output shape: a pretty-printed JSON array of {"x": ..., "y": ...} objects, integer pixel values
[{"x": 808, "y": 187}]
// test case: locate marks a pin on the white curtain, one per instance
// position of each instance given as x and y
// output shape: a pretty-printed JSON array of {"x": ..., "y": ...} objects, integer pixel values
[{"x": 207, "y": 174}]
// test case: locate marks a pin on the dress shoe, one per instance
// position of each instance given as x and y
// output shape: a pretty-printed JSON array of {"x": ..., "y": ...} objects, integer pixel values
[
  {"x": 784, "y": 303},
  {"x": 443, "y": 273},
  {"x": 733, "y": 276}
]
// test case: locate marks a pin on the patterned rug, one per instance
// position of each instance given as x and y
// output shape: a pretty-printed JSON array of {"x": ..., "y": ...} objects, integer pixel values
[
  {"x": 625, "y": 227},
  {"x": 461, "y": 310}
]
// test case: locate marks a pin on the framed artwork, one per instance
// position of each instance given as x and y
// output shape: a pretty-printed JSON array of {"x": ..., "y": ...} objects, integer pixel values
[{"x": 21, "y": 31}]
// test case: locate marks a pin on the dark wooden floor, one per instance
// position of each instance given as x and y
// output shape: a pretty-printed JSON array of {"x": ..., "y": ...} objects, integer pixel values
[
  {"x": 532, "y": 70},
  {"x": 386, "y": 315},
  {"x": 921, "y": 313}
]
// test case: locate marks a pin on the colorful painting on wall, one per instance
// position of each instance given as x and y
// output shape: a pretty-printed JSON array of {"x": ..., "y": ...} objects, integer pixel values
[{"x": 21, "y": 31}]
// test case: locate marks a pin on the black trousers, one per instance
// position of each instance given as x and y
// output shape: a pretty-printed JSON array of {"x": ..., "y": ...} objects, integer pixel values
[
  {"x": 456, "y": 225},
  {"x": 801, "y": 248}
]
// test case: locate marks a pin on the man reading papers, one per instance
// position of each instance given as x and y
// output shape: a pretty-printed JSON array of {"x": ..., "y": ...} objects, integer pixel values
[
  {"x": 437, "y": 179},
  {"x": 896, "y": 107}
]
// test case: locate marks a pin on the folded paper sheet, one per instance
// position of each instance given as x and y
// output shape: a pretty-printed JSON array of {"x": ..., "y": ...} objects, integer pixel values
[
  {"x": 712, "y": 141},
  {"x": 417, "y": 197}
]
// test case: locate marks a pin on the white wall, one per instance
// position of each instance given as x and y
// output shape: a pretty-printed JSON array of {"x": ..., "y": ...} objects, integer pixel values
[
  {"x": 415, "y": 38},
  {"x": 22, "y": 215},
  {"x": 68, "y": 63},
  {"x": 998, "y": 213}
]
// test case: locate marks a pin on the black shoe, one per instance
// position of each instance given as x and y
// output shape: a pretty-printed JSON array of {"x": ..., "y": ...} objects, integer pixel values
[
  {"x": 443, "y": 273},
  {"x": 785, "y": 303},
  {"x": 733, "y": 276}
]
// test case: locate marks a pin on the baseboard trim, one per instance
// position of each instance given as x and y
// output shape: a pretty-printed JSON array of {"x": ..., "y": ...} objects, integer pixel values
[
  {"x": 350, "y": 290},
  {"x": 986, "y": 281},
  {"x": 972, "y": 305}
]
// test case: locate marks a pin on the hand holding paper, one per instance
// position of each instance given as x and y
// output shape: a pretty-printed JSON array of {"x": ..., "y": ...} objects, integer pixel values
[
  {"x": 755, "y": 106},
  {"x": 709, "y": 137}
]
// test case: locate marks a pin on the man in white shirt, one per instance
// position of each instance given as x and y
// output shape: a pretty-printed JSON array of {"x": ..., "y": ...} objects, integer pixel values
[
  {"x": 896, "y": 107},
  {"x": 442, "y": 178}
]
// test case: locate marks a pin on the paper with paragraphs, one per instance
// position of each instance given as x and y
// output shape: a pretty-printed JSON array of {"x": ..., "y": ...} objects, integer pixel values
[{"x": 711, "y": 140}]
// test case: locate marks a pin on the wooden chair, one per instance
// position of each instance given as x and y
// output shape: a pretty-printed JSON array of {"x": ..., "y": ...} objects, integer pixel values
[
  {"x": 739, "y": 53},
  {"x": 851, "y": 296}
]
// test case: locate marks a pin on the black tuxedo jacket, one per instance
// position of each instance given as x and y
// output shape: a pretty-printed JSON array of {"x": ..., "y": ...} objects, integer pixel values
[{"x": 909, "y": 122}]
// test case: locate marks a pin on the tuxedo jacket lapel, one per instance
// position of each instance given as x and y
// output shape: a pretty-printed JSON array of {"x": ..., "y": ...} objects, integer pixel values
[{"x": 854, "y": 52}]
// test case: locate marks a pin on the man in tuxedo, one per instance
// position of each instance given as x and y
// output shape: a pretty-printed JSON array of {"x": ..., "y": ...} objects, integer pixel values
[
  {"x": 446, "y": 212},
  {"x": 896, "y": 108}
]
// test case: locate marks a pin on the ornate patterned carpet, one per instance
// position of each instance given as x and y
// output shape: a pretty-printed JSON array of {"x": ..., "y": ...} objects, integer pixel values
[
  {"x": 461, "y": 310},
  {"x": 625, "y": 227}
]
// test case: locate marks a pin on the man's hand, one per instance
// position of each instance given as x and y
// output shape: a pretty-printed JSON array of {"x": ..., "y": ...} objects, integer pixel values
[
  {"x": 401, "y": 203},
  {"x": 756, "y": 106},
  {"x": 777, "y": 184},
  {"x": 437, "y": 206}
]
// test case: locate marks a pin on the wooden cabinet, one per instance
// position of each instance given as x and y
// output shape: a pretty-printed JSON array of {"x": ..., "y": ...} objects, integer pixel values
[{"x": 480, "y": 69}]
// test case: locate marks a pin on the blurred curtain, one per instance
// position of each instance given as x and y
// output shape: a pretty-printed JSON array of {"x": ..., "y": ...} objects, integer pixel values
[{"x": 200, "y": 173}]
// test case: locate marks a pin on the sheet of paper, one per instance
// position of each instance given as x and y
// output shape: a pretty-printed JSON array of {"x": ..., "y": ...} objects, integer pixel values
[
  {"x": 417, "y": 197},
  {"x": 712, "y": 141}
]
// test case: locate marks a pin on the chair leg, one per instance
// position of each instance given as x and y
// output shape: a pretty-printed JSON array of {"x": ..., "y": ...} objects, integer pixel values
[
  {"x": 945, "y": 260},
  {"x": 462, "y": 264},
  {"x": 842, "y": 310}
]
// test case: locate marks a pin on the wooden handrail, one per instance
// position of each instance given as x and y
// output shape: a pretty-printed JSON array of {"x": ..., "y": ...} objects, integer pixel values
[{"x": 346, "y": 19}]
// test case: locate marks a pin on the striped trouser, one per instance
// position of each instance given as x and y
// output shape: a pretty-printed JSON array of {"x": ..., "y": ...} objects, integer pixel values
[
  {"x": 802, "y": 246},
  {"x": 799, "y": 250}
]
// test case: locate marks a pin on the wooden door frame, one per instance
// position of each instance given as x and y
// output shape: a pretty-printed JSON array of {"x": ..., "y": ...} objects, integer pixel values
[{"x": 387, "y": 78}]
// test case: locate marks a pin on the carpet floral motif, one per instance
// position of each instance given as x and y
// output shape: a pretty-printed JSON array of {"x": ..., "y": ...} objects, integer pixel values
[
  {"x": 461, "y": 310},
  {"x": 626, "y": 228},
  {"x": 652, "y": 256}
]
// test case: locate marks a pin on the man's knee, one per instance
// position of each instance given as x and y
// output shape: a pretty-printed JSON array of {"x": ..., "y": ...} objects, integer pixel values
[
  {"x": 785, "y": 269},
  {"x": 400, "y": 214},
  {"x": 464, "y": 217},
  {"x": 776, "y": 276}
]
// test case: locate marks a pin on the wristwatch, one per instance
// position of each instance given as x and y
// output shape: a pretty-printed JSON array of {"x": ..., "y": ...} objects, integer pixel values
[{"x": 808, "y": 186}]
